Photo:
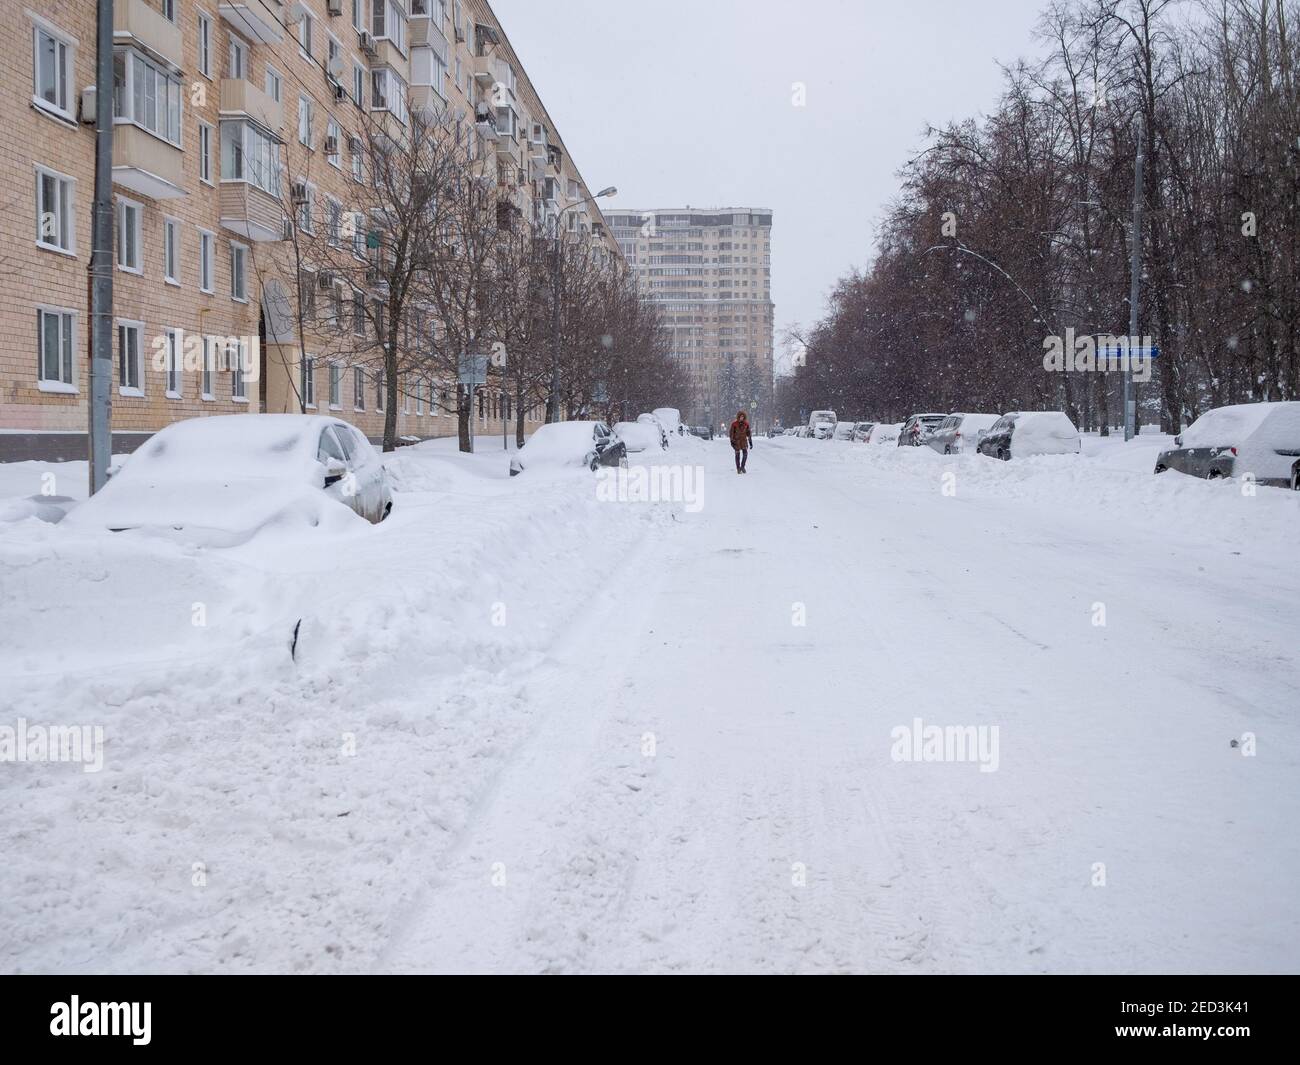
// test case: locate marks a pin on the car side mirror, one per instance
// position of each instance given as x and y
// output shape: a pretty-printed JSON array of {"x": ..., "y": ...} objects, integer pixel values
[{"x": 335, "y": 471}]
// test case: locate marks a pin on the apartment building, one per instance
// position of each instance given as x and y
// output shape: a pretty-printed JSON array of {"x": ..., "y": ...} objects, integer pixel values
[
  {"x": 234, "y": 120},
  {"x": 710, "y": 271}
]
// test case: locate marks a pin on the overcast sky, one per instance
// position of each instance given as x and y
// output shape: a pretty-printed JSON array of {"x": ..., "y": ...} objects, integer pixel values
[{"x": 689, "y": 102}]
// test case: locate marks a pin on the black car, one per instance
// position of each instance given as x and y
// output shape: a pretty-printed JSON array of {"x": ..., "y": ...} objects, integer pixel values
[{"x": 704, "y": 432}]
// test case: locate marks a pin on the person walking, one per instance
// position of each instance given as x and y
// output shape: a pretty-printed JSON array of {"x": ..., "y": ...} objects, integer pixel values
[{"x": 742, "y": 439}]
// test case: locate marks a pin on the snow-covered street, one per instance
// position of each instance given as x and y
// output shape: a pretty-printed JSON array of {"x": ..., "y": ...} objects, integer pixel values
[{"x": 528, "y": 730}]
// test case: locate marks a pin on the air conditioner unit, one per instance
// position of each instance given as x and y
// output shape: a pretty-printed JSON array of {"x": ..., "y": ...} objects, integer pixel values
[
  {"x": 354, "y": 143},
  {"x": 340, "y": 93},
  {"x": 334, "y": 7},
  {"x": 299, "y": 193},
  {"x": 367, "y": 43},
  {"x": 89, "y": 114},
  {"x": 331, "y": 146}
]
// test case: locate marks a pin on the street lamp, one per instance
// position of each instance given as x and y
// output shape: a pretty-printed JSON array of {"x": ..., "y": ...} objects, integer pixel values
[{"x": 555, "y": 311}]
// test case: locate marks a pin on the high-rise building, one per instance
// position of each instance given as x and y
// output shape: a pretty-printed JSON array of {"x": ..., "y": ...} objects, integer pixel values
[
  {"x": 235, "y": 123},
  {"x": 711, "y": 273}
]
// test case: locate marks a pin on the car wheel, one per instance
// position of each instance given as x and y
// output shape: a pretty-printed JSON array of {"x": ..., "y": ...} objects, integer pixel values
[
  {"x": 1215, "y": 475},
  {"x": 1162, "y": 469},
  {"x": 947, "y": 450},
  {"x": 1004, "y": 454},
  {"x": 1295, "y": 478},
  {"x": 388, "y": 509}
]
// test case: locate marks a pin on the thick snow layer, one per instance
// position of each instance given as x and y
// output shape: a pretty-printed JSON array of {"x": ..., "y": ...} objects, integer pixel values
[
  {"x": 1257, "y": 430},
  {"x": 559, "y": 444},
  {"x": 1044, "y": 433},
  {"x": 638, "y": 436},
  {"x": 524, "y": 730}
]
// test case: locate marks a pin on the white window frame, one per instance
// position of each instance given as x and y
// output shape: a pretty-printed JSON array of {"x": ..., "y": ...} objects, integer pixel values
[
  {"x": 307, "y": 381},
  {"x": 274, "y": 79},
  {"x": 238, "y": 272},
  {"x": 205, "y": 153},
  {"x": 120, "y": 210},
  {"x": 336, "y": 386},
  {"x": 207, "y": 261},
  {"x": 208, "y": 369},
  {"x": 171, "y": 250},
  {"x": 204, "y": 39},
  {"x": 239, "y": 373},
  {"x": 238, "y": 58},
  {"x": 333, "y": 129},
  {"x": 69, "y": 49},
  {"x": 358, "y": 84},
  {"x": 173, "y": 354},
  {"x": 130, "y": 325},
  {"x": 67, "y": 350},
  {"x": 306, "y": 120},
  {"x": 65, "y": 241},
  {"x": 133, "y": 58},
  {"x": 306, "y": 35}
]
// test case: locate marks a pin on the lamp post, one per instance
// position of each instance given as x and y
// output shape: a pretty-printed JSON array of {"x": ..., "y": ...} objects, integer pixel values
[{"x": 555, "y": 310}]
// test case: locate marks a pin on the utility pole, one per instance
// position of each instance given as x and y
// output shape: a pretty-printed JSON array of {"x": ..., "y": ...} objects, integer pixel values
[
  {"x": 1135, "y": 284},
  {"x": 101, "y": 258}
]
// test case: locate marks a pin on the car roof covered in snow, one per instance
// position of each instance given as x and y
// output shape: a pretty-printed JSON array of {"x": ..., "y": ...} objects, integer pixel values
[{"x": 1232, "y": 426}]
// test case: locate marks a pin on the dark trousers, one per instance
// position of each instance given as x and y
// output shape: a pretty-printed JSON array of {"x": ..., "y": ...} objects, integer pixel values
[{"x": 742, "y": 457}]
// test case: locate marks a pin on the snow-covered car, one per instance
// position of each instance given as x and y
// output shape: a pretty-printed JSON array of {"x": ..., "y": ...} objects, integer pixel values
[
  {"x": 660, "y": 428},
  {"x": 917, "y": 429},
  {"x": 1259, "y": 439},
  {"x": 885, "y": 433},
  {"x": 960, "y": 434},
  {"x": 559, "y": 444},
  {"x": 862, "y": 431},
  {"x": 219, "y": 481},
  {"x": 641, "y": 436},
  {"x": 843, "y": 431},
  {"x": 670, "y": 418},
  {"x": 1024, "y": 433}
]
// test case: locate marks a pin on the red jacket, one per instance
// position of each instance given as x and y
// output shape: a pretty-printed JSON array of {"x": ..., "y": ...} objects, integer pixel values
[{"x": 742, "y": 435}]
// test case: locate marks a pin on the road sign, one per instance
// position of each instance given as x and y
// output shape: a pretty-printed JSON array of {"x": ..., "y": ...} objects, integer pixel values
[{"x": 473, "y": 370}]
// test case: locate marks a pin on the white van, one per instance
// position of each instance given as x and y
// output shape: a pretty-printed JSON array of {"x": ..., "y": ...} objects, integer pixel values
[{"x": 821, "y": 424}]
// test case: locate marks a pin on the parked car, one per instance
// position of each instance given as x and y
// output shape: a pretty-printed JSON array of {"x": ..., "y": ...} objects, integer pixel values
[
  {"x": 641, "y": 436},
  {"x": 885, "y": 433},
  {"x": 1024, "y": 433},
  {"x": 219, "y": 481},
  {"x": 651, "y": 420},
  {"x": 821, "y": 424},
  {"x": 590, "y": 444},
  {"x": 843, "y": 431},
  {"x": 671, "y": 419},
  {"x": 917, "y": 429},
  {"x": 961, "y": 433},
  {"x": 704, "y": 432},
  {"x": 1260, "y": 439},
  {"x": 862, "y": 431}
]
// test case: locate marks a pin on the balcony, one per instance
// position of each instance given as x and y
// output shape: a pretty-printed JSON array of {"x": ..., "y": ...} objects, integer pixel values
[
  {"x": 259, "y": 20},
  {"x": 486, "y": 120},
  {"x": 145, "y": 164},
  {"x": 138, "y": 24},
  {"x": 386, "y": 54},
  {"x": 243, "y": 99},
  {"x": 251, "y": 212}
]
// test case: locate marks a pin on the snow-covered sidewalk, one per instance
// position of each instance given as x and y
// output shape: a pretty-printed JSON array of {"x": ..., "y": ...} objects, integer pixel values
[{"x": 678, "y": 748}]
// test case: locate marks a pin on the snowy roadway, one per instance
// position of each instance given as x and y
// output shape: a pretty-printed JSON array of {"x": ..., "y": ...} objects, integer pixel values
[{"x": 680, "y": 751}]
